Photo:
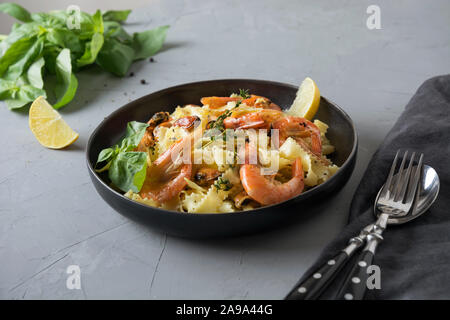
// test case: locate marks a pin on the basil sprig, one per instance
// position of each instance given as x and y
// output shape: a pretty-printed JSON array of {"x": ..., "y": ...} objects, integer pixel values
[
  {"x": 126, "y": 168},
  {"x": 50, "y": 47}
]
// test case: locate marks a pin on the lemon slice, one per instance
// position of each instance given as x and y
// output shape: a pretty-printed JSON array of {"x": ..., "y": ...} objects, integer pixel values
[
  {"x": 48, "y": 127},
  {"x": 306, "y": 101}
]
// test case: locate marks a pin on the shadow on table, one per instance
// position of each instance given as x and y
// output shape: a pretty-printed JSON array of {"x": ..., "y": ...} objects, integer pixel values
[{"x": 94, "y": 82}]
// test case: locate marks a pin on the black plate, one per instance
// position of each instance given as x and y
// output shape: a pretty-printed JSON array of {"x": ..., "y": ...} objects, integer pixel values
[{"x": 341, "y": 133}]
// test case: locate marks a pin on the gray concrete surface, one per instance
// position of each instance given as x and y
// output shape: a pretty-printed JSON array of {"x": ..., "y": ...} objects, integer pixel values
[{"x": 51, "y": 217}]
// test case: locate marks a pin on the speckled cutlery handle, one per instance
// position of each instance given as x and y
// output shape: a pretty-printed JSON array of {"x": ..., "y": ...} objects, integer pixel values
[
  {"x": 355, "y": 284},
  {"x": 313, "y": 286}
]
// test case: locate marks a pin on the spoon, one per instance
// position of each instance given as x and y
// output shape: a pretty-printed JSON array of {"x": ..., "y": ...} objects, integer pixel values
[
  {"x": 426, "y": 194},
  {"x": 354, "y": 286}
]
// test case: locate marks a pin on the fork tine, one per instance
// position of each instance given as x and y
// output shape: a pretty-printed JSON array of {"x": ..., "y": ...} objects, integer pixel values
[
  {"x": 387, "y": 185},
  {"x": 399, "y": 182},
  {"x": 406, "y": 179},
  {"x": 414, "y": 181}
]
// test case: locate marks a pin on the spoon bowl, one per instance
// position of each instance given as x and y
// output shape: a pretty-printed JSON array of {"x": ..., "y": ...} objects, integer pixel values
[{"x": 427, "y": 193}]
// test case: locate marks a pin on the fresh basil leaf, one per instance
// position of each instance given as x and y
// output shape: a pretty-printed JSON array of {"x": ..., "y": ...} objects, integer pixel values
[
  {"x": 113, "y": 29},
  {"x": 139, "y": 177},
  {"x": 15, "y": 70},
  {"x": 149, "y": 42},
  {"x": 7, "y": 89},
  {"x": 19, "y": 57},
  {"x": 19, "y": 31},
  {"x": 115, "y": 15},
  {"x": 15, "y": 11},
  {"x": 24, "y": 95},
  {"x": 67, "y": 82},
  {"x": 98, "y": 22},
  {"x": 34, "y": 73},
  {"x": 91, "y": 51},
  {"x": 133, "y": 135},
  {"x": 16, "y": 25},
  {"x": 64, "y": 38},
  {"x": 50, "y": 54},
  {"x": 61, "y": 15},
  {"x": 128, "y": 170},
  {"x": 115, "y": 57},
  {"x": 88, "y": 26},
  {"x": 134, "y": 129},
  {"x": 105, "y": 155},
  {"x": 110, "y": 28},
  {"x": 48, "y": 20}
]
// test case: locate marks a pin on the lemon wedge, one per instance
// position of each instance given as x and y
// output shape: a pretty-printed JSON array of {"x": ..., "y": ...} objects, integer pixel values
[
  {"x": 48, "y": 126},
  {"x": 307, "y": 100}
]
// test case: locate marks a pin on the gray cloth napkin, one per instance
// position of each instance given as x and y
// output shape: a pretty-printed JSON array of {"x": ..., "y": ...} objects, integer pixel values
[{"x": 414, "y": 258}]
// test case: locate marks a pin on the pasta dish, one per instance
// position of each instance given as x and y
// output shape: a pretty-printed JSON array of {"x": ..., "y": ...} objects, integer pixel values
[{"x": 227, "y": 154}]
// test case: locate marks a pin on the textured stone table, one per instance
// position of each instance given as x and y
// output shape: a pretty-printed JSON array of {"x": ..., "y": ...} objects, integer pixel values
[{"x": 51, "y": 217}]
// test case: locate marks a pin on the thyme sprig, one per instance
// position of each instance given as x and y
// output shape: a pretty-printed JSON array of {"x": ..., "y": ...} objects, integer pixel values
[
  {"x": 218, "y": 124},
  {"x": 244, "y": 93}
]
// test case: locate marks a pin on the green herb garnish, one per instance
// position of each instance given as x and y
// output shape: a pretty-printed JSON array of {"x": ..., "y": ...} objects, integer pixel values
[
  {"x": 223, "y": 184},
  {"x": 218, "y": 124},
  {"x": 244, "y": 93},
  {"x": 126, "y": 168},
  {"x": 50, "y": 47}
]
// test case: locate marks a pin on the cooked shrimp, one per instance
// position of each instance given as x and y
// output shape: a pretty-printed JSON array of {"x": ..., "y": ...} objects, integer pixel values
[
  {"x": 261, "y": 102},
  {"x": 288, "y": 126},
  {"x": 250, "y": 120},
  {"x": 255, "y": 120},
  {"x": 299, "y": 128},
  {"x": 253, "y": 101},
  {"x": 148, "y": 140},
  {"x": 164, "y": 181},
  {"x": 217, "y": 102},
  {"x": 269, "y": 191}
]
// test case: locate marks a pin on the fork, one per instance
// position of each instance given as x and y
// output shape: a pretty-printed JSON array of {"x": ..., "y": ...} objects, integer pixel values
[
  {"x": 387, "y": 203},
  {"x": 395, "y": 200}
]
